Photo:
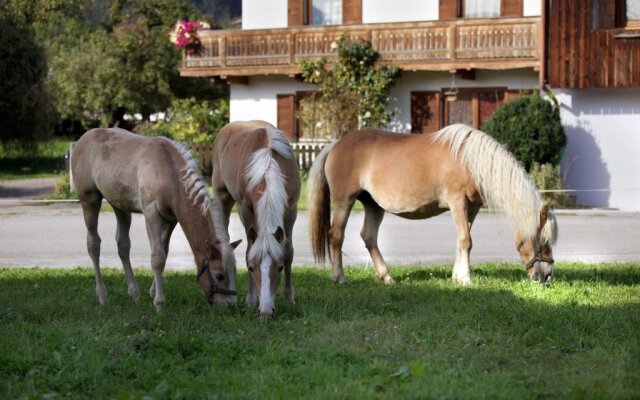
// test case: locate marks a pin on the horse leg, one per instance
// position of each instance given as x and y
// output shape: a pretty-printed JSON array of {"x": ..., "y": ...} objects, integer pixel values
[
  {"x": 124, "y": 249},
  {"x": 341, "y": 212},
  {"x": 167, "y": 230},
  {"x": 155, "y": 228},
  {"x": 373, "y": 215},
  {"x": 288, "y": 257},
  {"x": 459, "y": 211},
  {"x": 90, "y": 210}
]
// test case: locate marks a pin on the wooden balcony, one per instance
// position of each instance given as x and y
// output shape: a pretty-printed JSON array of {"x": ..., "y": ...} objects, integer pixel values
[{"x": 499, "y": 43}]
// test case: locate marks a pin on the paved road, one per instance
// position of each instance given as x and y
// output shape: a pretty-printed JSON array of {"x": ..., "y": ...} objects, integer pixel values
[{"x": 54, "y": 236}]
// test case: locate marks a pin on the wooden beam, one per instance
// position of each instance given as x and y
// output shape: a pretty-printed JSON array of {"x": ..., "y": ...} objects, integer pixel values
[
  {"x": 469, "y": 74},
  {"x": 236, "y": 80}
]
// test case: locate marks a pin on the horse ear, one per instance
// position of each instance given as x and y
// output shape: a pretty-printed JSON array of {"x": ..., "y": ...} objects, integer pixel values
[
  {"x": 252, "y": 235},
  {"x": 544, "y": 212},
  {"x": 236, "y": 243},
  {"x": 279, "y": 234}
]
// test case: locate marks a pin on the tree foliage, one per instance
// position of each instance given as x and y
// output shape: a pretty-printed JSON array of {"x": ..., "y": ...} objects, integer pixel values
[
  {"x": 26, "y": 112},
  {"x": 354, "y": 89},
  {"x": 530, "y": 128},
  {"x": 190, "y": 121}
]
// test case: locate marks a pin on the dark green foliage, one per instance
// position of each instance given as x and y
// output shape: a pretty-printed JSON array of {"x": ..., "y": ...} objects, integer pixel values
[
  {"x": 26, "y": 112},
  {"x": 530, "y": 128}
]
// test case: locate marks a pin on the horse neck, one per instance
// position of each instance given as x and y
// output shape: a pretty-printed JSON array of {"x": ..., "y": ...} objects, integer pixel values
[{"x": 198, "y": 228}]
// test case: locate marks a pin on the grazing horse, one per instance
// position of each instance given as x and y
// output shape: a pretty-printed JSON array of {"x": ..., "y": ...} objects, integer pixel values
[
  {"x": 254, "y": 167},
  {"x": 457, "y": 168},
  {"x": 156, "y": 177}
]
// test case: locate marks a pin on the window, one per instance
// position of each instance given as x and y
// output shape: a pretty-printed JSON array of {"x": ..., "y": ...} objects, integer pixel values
[
  {"x": 481, "y": 8},
  {"x": 633, "y": 13},
  {"x": 474, "y": 106},
  {"x": 323, "y": 12}
]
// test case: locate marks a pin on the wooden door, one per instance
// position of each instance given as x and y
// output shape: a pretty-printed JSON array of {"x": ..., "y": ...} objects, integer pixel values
[
  {"x": 425, "y": 112},
  {"x": 286, "y": 115}
]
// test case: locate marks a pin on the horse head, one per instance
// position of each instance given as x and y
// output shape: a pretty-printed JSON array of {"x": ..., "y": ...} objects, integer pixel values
[
  {"x": 265, "y": 262},
  {"x": 217, "y": 273},
  {"x": 535, "y": 252}
]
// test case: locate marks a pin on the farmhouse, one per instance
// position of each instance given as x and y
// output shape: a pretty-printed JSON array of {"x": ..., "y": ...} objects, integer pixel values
[{"x": 460, "y": 60}]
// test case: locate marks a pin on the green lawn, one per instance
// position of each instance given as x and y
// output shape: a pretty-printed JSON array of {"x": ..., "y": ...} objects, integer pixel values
[
  {"x": 47, "y": 160},
  {"x": 423, "y": 337}
]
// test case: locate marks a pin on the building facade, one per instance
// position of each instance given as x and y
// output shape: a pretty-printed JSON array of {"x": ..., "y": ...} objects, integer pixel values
[{"x": 483, "y": 51}]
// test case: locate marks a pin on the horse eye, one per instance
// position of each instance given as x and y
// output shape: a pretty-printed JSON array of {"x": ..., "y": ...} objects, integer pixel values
[
  {"x": 250, "y": 269},
  {"x": 219, "y": 277},
  {"x": 280, "y": 268}
]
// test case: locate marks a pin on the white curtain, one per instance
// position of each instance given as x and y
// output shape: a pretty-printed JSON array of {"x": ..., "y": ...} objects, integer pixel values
[
  {"x": 633, "y": 9},
  {"x": 326, "y": 12},
  {"x": 481, "y": 8}
]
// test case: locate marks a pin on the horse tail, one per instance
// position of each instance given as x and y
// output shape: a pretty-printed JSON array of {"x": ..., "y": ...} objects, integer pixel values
[
  {"x": 319, "y": 207},
  {"x": 501, "y": 179}
]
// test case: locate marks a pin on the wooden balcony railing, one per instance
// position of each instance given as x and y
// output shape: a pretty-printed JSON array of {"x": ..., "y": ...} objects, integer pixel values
[{"x": 499, "y": 43}]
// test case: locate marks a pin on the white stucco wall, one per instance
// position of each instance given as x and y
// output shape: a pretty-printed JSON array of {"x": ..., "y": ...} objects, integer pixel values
[
  {"x": 603, "y": 149},
  {"x": 264, "y": 14},
  {"x": 531, "y": 8},
  {"x": 374, "y": 11},
  {"x": 418, "y": 81},
  {"x": 258, "y": 99}
]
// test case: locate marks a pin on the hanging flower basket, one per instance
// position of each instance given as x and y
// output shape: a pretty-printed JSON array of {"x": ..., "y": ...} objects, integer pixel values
[{"x": 184, "y": 35}]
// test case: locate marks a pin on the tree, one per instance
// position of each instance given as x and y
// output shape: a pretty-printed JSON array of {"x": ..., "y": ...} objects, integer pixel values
[
  {"x": 354, "y": 90},
  {"x": 26, "y": 112}
]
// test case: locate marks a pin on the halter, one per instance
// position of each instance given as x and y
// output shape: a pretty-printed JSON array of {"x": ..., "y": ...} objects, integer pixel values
[
  {"x": 213, "y": 287},
  {"x": 537, "y": 255}
]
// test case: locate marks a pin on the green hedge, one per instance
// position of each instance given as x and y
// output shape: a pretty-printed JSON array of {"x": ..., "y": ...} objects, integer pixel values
[{"x": 530, "y": 128}]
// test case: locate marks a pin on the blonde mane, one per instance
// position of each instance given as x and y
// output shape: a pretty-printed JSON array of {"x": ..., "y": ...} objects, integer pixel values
[
  {"x": 270, "y": 208},
  {"x": 501, "y": 180}
]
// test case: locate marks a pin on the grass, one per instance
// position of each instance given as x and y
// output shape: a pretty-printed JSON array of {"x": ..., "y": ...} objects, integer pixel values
[
  {"x": 47, "y": 160},
  {"x": 423, "y": 337}
]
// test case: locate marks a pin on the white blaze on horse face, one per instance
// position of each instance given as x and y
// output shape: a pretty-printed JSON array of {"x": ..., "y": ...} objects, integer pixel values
[{"x": 267, "y": 299}]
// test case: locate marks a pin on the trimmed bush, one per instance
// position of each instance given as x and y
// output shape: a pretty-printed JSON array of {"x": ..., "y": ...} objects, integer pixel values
[{"x": 530, "y": 128}]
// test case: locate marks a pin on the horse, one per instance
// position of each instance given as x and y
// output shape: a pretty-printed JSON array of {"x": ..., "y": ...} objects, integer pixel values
[
  {"x": 457, "y": 168},
  {"x": 254, "y": 167},
  {"x": 157, "y": 177}
]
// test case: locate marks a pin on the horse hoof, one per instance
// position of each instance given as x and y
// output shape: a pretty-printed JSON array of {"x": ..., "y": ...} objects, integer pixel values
[
  {"x": 101, "y": 293},
  {"x": 339, "y": 279},
  {"x": 159, "y": 306},
  {"x": 464, "y": 281},
  {"x": 388, "y": 280},
  {"x": 134, "y": 293}
]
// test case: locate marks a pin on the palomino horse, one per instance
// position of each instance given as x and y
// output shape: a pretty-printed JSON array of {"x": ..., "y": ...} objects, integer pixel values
[
  {"x": 156, "y": 177},
  {"x": 255, "y": 167},
  {"x": 420, "y": 176}
]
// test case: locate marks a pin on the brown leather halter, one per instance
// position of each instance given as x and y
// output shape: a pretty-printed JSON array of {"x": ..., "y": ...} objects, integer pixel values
[
  {"x": 213, "y": 286},
  {"x": 537, "y": 255}
]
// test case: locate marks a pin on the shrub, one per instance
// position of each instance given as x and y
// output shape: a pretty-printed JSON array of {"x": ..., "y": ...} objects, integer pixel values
[
  {"x": 548, "y": 177},
  {"x": 189, "y": 121},
  {"x": 62, "y": 190},
  {"x": 530, "y": 128}
]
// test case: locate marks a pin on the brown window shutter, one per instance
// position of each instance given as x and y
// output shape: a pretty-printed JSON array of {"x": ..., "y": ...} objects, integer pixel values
[
  {"x": 295, "y": 12},
  {"x": 511, "y": 8},
  {"x": 351, "y": 12},
  {"x": 286, "y": 121},
  {"x": 449, "y": 9},
  {"x": 425, "y": 112}
]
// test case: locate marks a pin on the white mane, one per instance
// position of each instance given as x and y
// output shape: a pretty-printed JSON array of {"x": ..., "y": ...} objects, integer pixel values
[
  {"x": 197, "y": 192},
  {"x": 270, "y": 209},
  {"x": 501, "y": 179}
]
